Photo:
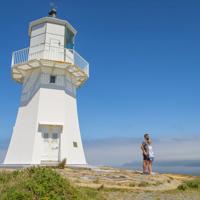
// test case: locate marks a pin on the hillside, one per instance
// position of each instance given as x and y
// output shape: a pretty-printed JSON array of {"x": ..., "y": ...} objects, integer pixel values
[{"x": 95, "y": 183}]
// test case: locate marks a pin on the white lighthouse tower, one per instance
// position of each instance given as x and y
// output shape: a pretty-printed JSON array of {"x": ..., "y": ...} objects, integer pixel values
[{"x": 50, "y": 70}]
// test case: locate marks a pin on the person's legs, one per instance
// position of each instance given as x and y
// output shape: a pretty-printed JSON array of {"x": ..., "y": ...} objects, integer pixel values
[
  {"x": 150, "y": 167},
  {"x": 145, "y": 166}
]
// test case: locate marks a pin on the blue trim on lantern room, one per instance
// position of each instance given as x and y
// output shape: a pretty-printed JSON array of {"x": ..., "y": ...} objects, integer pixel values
[{"x": 69, "y": 37}]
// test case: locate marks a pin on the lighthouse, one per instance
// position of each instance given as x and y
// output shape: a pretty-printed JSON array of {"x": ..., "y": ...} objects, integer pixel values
[{"x": 47, "y": 129}]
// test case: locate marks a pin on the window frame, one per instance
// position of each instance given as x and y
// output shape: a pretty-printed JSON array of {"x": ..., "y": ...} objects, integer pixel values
[
  {"x": 52, "y": 79},
  {"x": 75, "y": 144}
]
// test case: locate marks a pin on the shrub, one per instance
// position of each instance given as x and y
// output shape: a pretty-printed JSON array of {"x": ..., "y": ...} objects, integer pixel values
[
  {"x": 192, "y": 184},
  {"x": 40, "y": 183},
  {"x": 183, "y": 187},
  {"x": 62, "y": 164}
]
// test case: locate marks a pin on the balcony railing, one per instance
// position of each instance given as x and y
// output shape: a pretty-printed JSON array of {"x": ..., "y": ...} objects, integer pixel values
[{"x": 50, "y": 53}]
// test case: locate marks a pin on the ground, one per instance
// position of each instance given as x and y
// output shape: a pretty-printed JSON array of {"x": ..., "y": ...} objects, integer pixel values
[
  {"x": 96, "y": 183},
  {"x": 121, "y": 184}
]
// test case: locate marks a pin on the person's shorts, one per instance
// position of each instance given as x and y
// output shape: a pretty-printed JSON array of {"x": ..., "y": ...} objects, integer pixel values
[
  {"x": 146, "y": 157},
  {"x": 151, "y": 159}
]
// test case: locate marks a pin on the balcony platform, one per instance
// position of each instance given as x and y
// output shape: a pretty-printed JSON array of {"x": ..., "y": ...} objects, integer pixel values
[
  {"x": 19, "y": 71},
  {"x": 61, "y": 61}
]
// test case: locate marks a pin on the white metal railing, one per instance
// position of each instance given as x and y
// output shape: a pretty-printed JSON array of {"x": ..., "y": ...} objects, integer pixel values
[{"x": 50, "y": 53}]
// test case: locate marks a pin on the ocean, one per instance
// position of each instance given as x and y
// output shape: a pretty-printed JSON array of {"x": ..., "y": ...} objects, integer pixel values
[{"x": 175, "y": 167}]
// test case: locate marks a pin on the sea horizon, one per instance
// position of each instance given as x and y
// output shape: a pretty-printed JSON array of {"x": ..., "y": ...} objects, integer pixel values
[
  {"x": 187, "y": 167},
  {"x": 194, "y": 171}
]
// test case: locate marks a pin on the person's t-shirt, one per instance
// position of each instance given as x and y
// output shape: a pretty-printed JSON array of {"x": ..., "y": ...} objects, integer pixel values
[
  {"x": 151, "y": 153},
  {"x": 145, "y": 146}
]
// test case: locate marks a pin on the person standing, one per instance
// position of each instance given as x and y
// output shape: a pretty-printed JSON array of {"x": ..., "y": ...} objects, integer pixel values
[
  {"x": 150, "y": 155},
  {"x": 144, "y": 147}
]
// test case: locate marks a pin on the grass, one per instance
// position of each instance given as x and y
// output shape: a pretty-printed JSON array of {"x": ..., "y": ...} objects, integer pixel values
[
  {"x": 96, "y": 181},
  {"x": 192, "y": 184},
  {"x": 144, "y": 184},
  {"x": 132, "y": 184},
  {"x": 41, "y": 183}
]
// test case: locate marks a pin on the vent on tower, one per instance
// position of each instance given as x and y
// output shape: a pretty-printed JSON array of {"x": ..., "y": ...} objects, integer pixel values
[{"x": 52, "y": 12}]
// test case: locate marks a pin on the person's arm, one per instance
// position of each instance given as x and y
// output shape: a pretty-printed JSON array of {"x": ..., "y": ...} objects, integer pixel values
[{"x": 143, "y": 150}]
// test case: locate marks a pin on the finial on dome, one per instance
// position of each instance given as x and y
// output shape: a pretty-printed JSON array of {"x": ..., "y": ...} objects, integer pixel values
[{"x": 53, "y": 12}]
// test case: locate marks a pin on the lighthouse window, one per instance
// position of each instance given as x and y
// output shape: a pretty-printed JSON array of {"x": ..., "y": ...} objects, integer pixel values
[
  {"x": 46, "y": 135},
  {"x": 55, "y": 136},
  {"x": 52, "y": 79},
  {"x": 75, "y": 144}
]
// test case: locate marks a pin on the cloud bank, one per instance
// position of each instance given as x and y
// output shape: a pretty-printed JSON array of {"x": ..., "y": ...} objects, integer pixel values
[{"x": 117, "y": 151}]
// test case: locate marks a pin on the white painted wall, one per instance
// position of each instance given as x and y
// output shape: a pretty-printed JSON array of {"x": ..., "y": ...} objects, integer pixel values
[
  {"x": 55, "y": 32},
  {"x": 47, "y": 41},
  {"x": 57, "y": 107},
  {"x": 21, "y": 146},
  {"x": 45, "y": 103},
  {"x": 38, "y": 35},
  {"x": 46, "y": 33},
  {"x": 38, "y": 30}
]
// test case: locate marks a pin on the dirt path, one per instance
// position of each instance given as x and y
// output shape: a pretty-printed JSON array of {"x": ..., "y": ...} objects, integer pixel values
[
  {"x": 174, "y": 195},
  {"x": 122, "y": 179},
  {"x": 118, "y": 184}
]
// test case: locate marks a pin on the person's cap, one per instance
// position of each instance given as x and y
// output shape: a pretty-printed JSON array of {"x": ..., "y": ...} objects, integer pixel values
[{"x": 146, "y": 135}]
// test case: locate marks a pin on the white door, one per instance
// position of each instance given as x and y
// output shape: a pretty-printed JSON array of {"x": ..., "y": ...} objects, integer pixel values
[{"x": 51, "y": 146}]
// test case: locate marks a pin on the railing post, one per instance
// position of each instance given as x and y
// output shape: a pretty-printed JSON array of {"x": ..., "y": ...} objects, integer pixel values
[{"x": 13, "y": 56}]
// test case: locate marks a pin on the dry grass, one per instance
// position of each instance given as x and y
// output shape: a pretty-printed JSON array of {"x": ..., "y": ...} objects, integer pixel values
[{"x": 121, "y": 179}]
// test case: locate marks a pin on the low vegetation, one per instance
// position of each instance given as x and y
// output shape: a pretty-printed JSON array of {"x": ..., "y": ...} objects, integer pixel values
[
  {"x": 191, "y": 184},
  {"x": 41, "y": 183},
  {"x": 61, "y": 165},
  {"x": 143, "y": 184}
]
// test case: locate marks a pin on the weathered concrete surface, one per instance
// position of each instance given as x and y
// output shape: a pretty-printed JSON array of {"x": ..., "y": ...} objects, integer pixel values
[{"x": 122, "y": 179}]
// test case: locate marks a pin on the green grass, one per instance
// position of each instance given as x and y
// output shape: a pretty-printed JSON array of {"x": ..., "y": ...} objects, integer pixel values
[
  {"x": 41, "y": 183},
  {"x": 192, "y": 184}
]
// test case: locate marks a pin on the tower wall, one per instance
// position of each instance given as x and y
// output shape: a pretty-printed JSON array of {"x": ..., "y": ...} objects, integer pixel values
[
  {"x": 49, "y": 105},
  {"x": 54, "y": 103},
  {"x": 47, "y": 34},
  {"x": 21, "y": 146}
]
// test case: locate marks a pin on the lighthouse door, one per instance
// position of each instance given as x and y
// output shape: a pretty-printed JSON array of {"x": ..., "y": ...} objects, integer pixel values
[{"x": 51, "y": 143}]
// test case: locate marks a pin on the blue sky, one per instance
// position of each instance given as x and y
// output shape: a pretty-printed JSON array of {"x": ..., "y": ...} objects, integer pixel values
[{"x": 144, "y": 64}]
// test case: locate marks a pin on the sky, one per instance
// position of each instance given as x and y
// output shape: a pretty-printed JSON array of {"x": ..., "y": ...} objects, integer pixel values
[{"x": 144, "y": 66}]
